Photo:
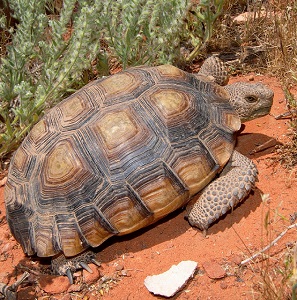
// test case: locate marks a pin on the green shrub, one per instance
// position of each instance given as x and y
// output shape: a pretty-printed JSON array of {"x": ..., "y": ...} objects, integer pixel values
[
  {"x": 42, "y": 64},
  {"x": 50, "y": 52}
]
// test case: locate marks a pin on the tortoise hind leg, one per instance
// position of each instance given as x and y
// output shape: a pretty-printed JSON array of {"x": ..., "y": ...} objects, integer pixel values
[
  {"x": 66, "y": 266},
  {"x": 222, "y": 194}
]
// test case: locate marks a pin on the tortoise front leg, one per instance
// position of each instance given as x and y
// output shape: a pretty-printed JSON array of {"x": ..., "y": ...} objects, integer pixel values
[
  {"x": 66, "y": 266},
  {"x": 234, "y": 184}
]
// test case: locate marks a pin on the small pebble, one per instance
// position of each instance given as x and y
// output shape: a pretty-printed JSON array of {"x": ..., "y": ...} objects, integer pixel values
[
  {"x": 125, "y": 273},
  {"x": 54, "y": 284},
  {"x": 74, "y": 288},
  {"x": 214, "y": 270},
  {"x": 236, "y": 259},
  {"x": 223, "y": 285},
  {"x": 119, "y": 267},
  {"x": 91, "y": 277},
  {"x": 7, "y": 248}
]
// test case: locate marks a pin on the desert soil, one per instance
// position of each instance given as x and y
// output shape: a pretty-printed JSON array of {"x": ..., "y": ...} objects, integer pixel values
[{"x": 127, "y": 261}]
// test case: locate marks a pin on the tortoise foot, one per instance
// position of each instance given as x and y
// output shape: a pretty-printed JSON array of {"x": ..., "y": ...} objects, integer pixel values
[{"x": 66, "y": 266}]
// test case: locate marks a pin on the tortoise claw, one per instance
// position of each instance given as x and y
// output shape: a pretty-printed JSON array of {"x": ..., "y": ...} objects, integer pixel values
[
  {"x": 96, "y": 262},
  {"x": 86, "y": 267},
  {"x": 66, "y": 266},
  {"x": 70, "y": 276}
]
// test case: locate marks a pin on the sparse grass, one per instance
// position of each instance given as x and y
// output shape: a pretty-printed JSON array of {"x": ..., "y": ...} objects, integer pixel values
[
  {"x": 275, "y": 270},
  {"x": 274, "y": 281}
]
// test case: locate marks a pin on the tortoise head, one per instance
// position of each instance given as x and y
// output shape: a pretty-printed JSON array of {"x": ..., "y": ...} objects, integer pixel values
[{"x": 250, "y": 100}]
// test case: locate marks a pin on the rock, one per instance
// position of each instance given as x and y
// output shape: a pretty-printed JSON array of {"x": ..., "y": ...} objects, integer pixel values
[
  {"x": 6, "y": 248},
  {"x": 27, "y": 293},
  {"x": 54, "y": 284},
  {"x": 250, "y": 16},
  {"x": 75, "y": 288},
  {"x": 251, "y": 78},
  {"x": 170, "y": 282},
  {"x": 214, "y": 270},
  {"x": 125, "y": 273},
  {"x": 223, "y": 285},
  {"x": 91, "y": 277},
  {"x": 236, "y": 259},
  {"x": 119, "y": 267},
  {"x": 4, "y": 277}
]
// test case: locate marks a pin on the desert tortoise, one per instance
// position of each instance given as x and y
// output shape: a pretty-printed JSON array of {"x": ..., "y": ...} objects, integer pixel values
[{"x": 125, "y": 151}]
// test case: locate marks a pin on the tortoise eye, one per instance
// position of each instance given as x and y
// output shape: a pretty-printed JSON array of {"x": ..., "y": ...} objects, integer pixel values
[{"x": 251, "y": 99}]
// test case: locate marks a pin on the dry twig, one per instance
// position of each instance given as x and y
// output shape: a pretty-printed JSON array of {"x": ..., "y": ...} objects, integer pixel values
[{"x": 270, "y": 245}]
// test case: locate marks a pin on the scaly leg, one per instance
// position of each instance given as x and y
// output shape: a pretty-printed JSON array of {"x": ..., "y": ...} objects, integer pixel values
[{"x": 222, "y": 194}]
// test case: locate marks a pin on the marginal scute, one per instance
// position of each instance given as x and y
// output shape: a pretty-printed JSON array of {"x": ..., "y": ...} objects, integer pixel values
[
  {"x": 222, "y": 151},
  {"x": 170, "y": 71},
  {"x": 44, "y": 242},
  {"x": 222, "y": 93},
  {"x": 119, "y": 83},
  {"x": 70, "y": 241},
  {"x": 92, "y": 229},
  {"x": 231, "y": 120},
  {"x": 218, "y": 142},
  {"x": 9, "y": 194},
  {"x": 21, "y": 159},
  {"x": 195, "y": 171},
  {"x": 116, "y": 128},
  {"x": 170, "y": 102},
  {"x": 38, "y": 131},
  {"x": 125, "y": 216},
  {"x": 161, "y": 197}
]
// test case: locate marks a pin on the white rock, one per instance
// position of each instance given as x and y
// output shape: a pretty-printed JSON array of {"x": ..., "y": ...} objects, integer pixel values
[{"x": 170, "y": 282}]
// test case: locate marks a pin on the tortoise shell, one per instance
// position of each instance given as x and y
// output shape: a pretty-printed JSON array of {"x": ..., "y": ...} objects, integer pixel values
[{"x": 116, "y": 156}]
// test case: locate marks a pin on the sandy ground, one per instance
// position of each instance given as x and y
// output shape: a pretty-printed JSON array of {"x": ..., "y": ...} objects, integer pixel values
[{"x": 126, "y": 261}]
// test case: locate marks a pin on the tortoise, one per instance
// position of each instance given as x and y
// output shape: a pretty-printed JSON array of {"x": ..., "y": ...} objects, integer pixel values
[{"x": 125, "y": 151}]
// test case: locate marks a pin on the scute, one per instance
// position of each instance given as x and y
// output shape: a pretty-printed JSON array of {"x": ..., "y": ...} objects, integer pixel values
[
  {"x": 117, "y": 128},
  {"x": 195, "y": 170},
  {"x": 126, "y": 216},
  {"x": 70, "y": 237},
  {"x": 76, "y": 111},
  {"x": 119, "y": 84},
  {"x": 38, "y": 131},
  {"x": 169, "y": 71},
  {"x": 61, "y": 164},
  {"x": 170, "y": 102},
  {"x": 91, "y": 222},
  {"x": 21, "y": 160},
  {"x": 117, "y": 155}
]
